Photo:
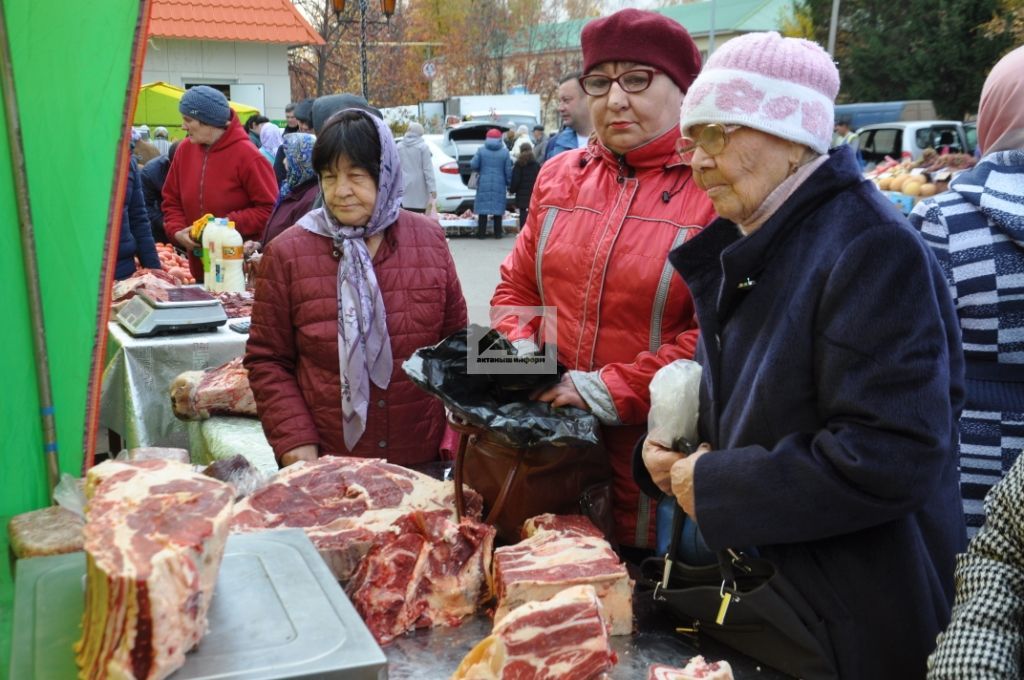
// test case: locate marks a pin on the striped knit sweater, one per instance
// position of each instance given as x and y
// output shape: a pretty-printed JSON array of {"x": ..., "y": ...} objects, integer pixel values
[{"x": 977, "y": 231}]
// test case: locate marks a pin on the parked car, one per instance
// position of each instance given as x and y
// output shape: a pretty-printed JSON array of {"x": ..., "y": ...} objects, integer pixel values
[
  {"x": 453, "y": 196},
  {"x": 907, "y": 141},
  {"x": 872, "y": 113},
  {"x": 972, "y": 136},
  {"x": 462, "y": 141}
]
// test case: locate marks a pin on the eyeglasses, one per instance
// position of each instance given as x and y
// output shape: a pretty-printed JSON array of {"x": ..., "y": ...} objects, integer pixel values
[
  {"x": 633, "y": 81},
  {"x": 712, "y": 139}
]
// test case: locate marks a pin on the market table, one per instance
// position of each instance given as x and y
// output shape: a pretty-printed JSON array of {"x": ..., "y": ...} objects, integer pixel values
[
  {"x": 469, "y": 226},
  {"x": 135, "y": 399}
]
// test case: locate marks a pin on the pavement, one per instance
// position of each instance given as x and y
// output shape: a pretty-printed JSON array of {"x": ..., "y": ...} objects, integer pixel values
[{"x": 477, "y": 261}]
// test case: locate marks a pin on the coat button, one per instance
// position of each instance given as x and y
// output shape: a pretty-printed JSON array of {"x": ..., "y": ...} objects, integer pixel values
[
  {"x": 381, "y": 403},
  {"x": 382, "y": 444}
]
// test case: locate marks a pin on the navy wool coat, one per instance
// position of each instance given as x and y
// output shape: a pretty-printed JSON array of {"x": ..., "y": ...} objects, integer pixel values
[
  {"x": 494, "y": 164},
  {"x": 830, "y": 395}
]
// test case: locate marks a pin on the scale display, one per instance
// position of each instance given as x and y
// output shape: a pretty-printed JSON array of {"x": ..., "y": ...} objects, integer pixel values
[{"x": 183, "y": 309}]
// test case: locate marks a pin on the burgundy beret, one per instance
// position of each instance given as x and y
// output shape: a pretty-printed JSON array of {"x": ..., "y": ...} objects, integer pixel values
[{"x": 642, "y": 37}]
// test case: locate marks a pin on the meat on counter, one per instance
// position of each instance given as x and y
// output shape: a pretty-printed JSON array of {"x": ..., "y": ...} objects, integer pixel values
[{"x": 154, "y": 538}]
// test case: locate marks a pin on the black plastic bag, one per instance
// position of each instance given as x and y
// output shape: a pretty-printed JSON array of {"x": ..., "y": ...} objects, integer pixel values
[{"x": 499, "y": 402}]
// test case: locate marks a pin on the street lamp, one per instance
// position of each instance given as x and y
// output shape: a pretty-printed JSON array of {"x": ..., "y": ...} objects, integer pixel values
[{"x": 387, "y": 8}]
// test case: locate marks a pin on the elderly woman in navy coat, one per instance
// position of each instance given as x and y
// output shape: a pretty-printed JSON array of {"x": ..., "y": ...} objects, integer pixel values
[
  {"x": 494, "y": 164},
  {"x": 832, "y": 367}
]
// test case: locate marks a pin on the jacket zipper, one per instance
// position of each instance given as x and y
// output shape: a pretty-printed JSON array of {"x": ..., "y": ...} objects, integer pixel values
[{"x": 202, "y": 183}]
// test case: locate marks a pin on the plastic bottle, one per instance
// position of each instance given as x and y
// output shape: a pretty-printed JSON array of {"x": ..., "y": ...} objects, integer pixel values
[
  {"x": 204, "y": 251},
  {"x": 211, "y": 252},
  {"x": 231, "y": 274}
]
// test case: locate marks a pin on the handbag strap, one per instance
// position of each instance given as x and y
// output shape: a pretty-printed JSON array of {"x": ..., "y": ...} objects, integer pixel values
[
  {"x": 726, "y": 558},
  {"x": 499, "y": 502},
  {"x": 466, "y": 432}
]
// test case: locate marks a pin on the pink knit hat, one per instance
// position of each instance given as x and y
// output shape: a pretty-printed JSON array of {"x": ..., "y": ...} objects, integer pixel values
[{"x": 783, "y": 86}]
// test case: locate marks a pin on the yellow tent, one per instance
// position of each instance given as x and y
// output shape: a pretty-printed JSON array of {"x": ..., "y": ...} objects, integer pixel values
[{"x": 158, "y": 105}]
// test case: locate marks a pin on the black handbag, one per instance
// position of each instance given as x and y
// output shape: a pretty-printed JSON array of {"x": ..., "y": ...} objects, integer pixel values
[{"x": 745, "y": 603}]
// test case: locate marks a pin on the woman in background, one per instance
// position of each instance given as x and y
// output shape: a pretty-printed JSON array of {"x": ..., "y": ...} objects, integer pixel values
[
  {"x": 494, "y": 165},
  {"x": 524, "y": 175}
]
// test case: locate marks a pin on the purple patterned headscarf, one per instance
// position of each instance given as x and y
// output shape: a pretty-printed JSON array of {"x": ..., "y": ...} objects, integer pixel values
[{"x": 364, "y": 345}]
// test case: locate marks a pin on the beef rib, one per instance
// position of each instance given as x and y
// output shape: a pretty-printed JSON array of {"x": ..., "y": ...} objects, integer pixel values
[
  {"x": 220, "y": 391},
  {"x": 430, "y": 572},
  {"x": 563, "y": 638},
  {"x": 346, "y": 504},
  {"x": 154, "y": 538},
  {"x": 564, "y": 551}
]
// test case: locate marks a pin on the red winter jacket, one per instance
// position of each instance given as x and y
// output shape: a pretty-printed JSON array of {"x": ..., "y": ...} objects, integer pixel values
[
  {"x": 595, "y": 247},
  {"x": 229, "y": 178},
  {"x": 292, "y": 353}
]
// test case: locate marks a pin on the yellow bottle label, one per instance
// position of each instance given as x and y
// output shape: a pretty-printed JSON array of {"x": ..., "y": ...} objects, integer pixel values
[{"x": 231, "y": 252}]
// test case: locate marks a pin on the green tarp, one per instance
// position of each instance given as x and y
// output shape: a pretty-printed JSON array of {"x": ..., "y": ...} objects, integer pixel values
[{"x": 72, "y": 65}]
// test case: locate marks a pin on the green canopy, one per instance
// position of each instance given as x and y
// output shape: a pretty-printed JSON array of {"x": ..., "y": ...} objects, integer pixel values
[
  {"x": 158, "y": 105},
  {"x": 74, "y": 68}
]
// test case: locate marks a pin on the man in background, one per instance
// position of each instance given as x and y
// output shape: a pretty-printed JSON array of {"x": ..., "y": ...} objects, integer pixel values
[
  {"x": 289, "y": 117},
  {"x": 539, "y": 141},
  {"x": 575, "y": 114}
]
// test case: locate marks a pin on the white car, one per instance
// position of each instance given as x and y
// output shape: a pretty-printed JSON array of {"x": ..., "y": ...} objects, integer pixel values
[{"x": 453, "y": 196}]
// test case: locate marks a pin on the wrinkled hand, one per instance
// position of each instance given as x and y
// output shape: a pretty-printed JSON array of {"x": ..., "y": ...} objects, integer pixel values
[
  {"x": 563, "y": 394},
  {"x": 307, "y": 452},
  {"x": 249, "y": 248},
  {"x": 659, "y": 461},
  {"x": 681, "y": 475},
  {"x": 185, "y": 241}
]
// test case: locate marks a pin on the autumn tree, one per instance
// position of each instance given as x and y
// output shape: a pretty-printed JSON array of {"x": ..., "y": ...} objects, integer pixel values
[{"x": 919, "y": 49}]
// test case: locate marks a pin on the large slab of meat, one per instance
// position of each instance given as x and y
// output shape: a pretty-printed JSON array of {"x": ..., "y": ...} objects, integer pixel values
[
  {"x": 562, "y": 638},
  {"x": 563, "y": 552},
  {"x": 155, "y": 282},
  {"x": 220, "y": 391},
  {"x": 154, "y": 538},
  {"x": 346, "y": 505},
  {"x": 696, "y": 669},
  {"x": 431, "y": 572}
]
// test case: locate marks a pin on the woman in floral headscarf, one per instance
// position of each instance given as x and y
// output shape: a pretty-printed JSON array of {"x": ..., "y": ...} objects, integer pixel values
[
  {"x": 343, "y": 298},
  {"x": 300, "y": 186}
]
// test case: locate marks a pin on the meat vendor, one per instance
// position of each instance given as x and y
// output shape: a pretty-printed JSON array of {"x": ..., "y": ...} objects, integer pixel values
[
  {"x": 595, "y": 245},
  {"x": 343, "y": 298}
]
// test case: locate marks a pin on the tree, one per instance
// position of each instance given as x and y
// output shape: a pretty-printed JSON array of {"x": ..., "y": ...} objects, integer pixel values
[{"x": 917, "y": 49}]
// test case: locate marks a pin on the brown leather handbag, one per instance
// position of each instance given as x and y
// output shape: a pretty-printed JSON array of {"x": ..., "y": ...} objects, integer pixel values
[{"x": 519, "y": 483}]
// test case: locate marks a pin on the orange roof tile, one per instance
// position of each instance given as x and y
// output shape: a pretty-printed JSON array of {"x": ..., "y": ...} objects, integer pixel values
[{"x": 268, "y": 21}]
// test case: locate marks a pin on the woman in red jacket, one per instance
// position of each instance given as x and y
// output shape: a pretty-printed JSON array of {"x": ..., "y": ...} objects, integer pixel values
[
  {"x": 343, "y": 298},
  {"x": 216, "y": 171}
]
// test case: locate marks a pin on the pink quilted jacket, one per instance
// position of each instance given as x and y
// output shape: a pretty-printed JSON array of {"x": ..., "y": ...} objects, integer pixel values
[{"x": 292, "y": 354}]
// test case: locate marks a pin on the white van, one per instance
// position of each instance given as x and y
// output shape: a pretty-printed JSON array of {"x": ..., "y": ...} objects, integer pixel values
[{"x": 907, "y": 141}]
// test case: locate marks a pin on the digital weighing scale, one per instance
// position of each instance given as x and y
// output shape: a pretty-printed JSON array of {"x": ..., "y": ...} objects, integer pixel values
[{"x": 182, "y": 309}]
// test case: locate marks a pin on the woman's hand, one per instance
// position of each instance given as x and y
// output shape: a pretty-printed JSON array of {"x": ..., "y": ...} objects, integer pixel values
[
  {"x": 185, "y": 241},
  {"x": 306, "y": 452},
  {"x": 659, "y": 461},
  {"x": 563, "y": 394},
  {"x": 682, "y": 480}
]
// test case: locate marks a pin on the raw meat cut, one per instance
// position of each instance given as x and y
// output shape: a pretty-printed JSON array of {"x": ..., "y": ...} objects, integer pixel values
[
  {"x": 346, "y": 504},
  {"x": 431, "y": 572},
  {"x": 576, "y": 525},
  {"x": 696, "y": 669},
  {"x": 564, "y": 551},
  {"x": 236, "y": 305},
  {"x": 221, "y": 391},
  {"x": 153, "y": 281},
  {"x": 49, "y": 531},
  {"x": 154, "y": 538},
  {"x": 563, "y": 638}
]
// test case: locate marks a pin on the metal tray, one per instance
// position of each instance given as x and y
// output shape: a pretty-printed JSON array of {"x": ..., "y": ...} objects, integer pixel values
[{"x": 277, "y": 612}]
